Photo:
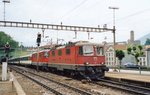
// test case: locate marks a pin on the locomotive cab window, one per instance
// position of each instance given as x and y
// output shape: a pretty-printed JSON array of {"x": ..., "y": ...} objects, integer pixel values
[
  {"x": 99, "y": 50},
  {"x": 88, "y": 50}
]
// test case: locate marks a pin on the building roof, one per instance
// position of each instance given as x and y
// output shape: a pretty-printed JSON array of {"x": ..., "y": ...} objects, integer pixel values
[{"x": 117, "y": 47}]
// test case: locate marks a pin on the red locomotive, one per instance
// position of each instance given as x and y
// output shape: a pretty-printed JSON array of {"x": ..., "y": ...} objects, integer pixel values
[
  {"x": 41, "y": 58},
  {"x": 78, "y": 58}
]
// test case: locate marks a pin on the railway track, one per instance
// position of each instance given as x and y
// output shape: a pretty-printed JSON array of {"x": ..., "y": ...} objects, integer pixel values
[
  {"x": 56, "y": 87},
  {"x": 135, "y": 89},
  {"x": 128, "y": 87}
]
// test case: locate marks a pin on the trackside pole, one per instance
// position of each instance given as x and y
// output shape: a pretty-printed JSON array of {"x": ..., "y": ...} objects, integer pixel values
[
  {"x": 4, "y": 71},
  {"x": 5, "y": 62}
]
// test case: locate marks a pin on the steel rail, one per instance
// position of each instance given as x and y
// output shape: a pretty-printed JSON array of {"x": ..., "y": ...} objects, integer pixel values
[
  {"x": 65, "y": 85},
  {"x": 41, "y": 84},
  {"x": 122, "y": 86}
]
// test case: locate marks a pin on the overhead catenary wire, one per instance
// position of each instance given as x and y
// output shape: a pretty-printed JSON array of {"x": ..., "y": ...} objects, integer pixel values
[
  {"x": 132, "y": 15},
  {"x": 73, "y": 9}
]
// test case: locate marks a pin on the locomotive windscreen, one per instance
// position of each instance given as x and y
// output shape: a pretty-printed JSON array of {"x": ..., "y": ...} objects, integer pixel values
[{"x": 88, "y": 50}]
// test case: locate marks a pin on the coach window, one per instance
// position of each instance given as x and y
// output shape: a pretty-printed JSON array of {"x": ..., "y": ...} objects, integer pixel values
[
  {"x": 25, "y": 58},
  {"x": 68, "y": 51},
  {"x": 53, "y": 53},
  {"x": 59, "y": 52}
]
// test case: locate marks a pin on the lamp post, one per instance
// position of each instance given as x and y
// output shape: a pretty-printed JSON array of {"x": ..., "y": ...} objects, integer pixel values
[
  {"x": 114, "y": 30},
  {"x": 5, "y": 1}
]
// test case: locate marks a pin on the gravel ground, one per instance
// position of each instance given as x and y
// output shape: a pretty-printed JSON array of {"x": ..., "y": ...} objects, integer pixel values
[
  {"x": 30, "y": 87},
  {"x": 33, "y": 89},
  {"x": 91, "y": 87},
  {"x": 95, "y": 89}
]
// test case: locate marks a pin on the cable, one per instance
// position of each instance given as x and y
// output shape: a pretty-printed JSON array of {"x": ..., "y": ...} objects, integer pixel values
[
  {"x": 131, "y": 15},
  {"x": 73, "y": 9},
  {"x": 134, "y": 14}
]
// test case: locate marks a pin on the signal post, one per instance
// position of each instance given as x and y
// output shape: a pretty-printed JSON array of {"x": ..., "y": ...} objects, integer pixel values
[
  {"x": 38, "y": 41},
  {"x": 5, "y": 62}
]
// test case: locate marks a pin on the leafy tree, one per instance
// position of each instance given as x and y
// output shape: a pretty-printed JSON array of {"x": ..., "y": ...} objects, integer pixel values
[
  {"x": 120, "y": 55},
  {"x": 136, "y": 51},
  {"x": 140, "y": 47},
  {"x": 129, "y": 50},
  {"x": 141, "y": 52},
  {"x": 4, "y": 38},
  {"x": 147, "y": 41},
  {"x": 134, "y": 48}
]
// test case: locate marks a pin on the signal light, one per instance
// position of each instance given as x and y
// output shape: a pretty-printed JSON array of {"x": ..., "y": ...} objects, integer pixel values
[
  {"x": 7, "y": 48},
  {"x": 39, "y": 35},
  {"x": 38, "y": 39}
]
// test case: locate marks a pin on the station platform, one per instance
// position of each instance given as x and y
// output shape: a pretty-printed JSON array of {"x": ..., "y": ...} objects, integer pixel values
[
  {"x": 130, "y": 75},
  {"x": 10, "y": 86}
]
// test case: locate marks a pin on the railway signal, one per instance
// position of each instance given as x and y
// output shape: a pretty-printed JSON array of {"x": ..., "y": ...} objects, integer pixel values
[
  {"x": 38, "y": 44},
  {"x": 7, "y": 49},
  {"x": 4, "y": 63},
  {"x": 38, "y": 39}
]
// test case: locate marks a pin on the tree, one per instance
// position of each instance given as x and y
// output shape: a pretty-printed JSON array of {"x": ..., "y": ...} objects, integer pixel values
[
  {"x": 4, "y": 38},
  {"x": 147, "y": 41},
  {"x": 140, "y": 47},
  {"x": 129, "y": 50},
  {"x": 141, "y": 52},
  {"x": 136, "y": 51},
  {"x": 120, "y": 55}
]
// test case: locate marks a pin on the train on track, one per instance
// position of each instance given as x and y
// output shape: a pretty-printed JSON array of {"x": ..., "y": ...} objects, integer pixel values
[{"x": 76, "y": 58}]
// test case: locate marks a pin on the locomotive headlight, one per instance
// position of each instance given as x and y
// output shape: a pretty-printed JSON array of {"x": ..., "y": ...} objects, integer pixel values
[
  {"x": 87, "y": 63},
  {"x": 103, "y": 62}
]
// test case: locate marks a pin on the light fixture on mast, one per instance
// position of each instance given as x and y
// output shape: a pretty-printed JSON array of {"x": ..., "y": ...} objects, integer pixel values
[
  {"x": 5, "y": 1},
  {"x": 114, "y": 30}
]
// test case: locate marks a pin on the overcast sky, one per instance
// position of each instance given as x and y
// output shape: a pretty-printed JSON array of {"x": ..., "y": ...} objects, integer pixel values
[{"x": 132, "y": 15}]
